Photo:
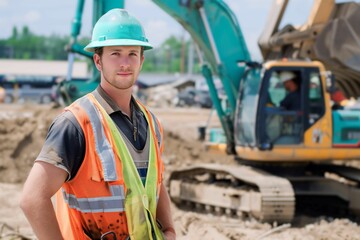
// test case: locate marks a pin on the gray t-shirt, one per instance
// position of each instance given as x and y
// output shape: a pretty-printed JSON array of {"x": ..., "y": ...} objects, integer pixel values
[{"x": 64, "y": 146}]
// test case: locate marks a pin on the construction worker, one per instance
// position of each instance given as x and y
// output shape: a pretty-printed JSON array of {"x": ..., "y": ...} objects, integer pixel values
[
  {"x": 292, "y": 100},
  {"x": 102, "y": 155}
]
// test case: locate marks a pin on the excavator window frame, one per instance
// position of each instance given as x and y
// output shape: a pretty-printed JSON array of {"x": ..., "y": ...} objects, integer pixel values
[{"x": 316, "y": 104}]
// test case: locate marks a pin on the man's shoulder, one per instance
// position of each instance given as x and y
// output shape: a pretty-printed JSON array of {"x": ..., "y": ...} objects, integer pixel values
[
  {"x": 65, "y": 115},
  {"x": 66, "y": 119}
]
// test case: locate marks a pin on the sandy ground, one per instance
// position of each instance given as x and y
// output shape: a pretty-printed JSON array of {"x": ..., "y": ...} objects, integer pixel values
[{"x": 23, "y": 129}]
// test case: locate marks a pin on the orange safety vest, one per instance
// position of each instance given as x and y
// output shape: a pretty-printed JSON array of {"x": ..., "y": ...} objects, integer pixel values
[{"x": 93, "y": 202}]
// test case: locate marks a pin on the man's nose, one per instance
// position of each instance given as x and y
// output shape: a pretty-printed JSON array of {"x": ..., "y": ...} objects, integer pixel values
[{"x": 124, "y": 61}]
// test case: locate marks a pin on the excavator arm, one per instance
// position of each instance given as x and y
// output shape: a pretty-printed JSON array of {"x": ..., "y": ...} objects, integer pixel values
[
  {"x": 213, "y": 26},
  {"x": 216, "y": 31}
]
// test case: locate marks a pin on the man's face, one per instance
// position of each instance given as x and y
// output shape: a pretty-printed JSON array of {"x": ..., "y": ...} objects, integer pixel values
[
  {"x": 290, "y": 85},
  {"x": 119, "y": 65}
]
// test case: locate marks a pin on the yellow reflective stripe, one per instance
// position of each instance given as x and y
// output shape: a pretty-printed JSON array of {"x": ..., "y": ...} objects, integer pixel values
[
  {"x": 102, "y": 145},
  {"x": 114, "y": 203},
  {"x": 151, "y": 180}
]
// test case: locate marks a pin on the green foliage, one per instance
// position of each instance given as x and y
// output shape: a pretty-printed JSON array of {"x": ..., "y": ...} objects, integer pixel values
[
  {"x": 26, "y": 45},
  {"x": 171, "y": 56}
]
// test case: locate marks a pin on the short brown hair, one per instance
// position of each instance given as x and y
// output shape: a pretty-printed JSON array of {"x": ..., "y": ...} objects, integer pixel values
[{"x": 99, "y": 51}]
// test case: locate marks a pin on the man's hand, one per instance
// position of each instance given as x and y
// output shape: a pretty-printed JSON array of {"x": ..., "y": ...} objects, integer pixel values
[{"x": 169, "y": 234}]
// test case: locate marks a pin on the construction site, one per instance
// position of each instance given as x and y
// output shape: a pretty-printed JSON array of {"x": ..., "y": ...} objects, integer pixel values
[
  {"x": 240, "y": 162},
  {"x": 23, "y": 131}
]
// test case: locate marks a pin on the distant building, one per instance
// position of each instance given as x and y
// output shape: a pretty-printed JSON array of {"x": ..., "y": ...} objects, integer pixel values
[
  {"x": 42, "y": 68},
  {"x": 35, "y": 80}
]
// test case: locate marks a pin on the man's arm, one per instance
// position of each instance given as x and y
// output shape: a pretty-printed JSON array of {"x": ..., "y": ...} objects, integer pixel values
[
  {"x": 42, "y": 183},
  {"x": 163, "y": 214}
]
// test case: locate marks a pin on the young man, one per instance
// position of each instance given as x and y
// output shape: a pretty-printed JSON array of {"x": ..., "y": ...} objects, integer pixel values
[{"x": 102, "y": 155}]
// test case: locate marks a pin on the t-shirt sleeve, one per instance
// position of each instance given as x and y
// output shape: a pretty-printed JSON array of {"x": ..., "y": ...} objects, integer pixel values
[{"x": 64, "y": 145}]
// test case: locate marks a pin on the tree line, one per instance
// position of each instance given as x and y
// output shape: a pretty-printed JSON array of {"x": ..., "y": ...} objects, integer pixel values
[{"x": 171, "y": 56}]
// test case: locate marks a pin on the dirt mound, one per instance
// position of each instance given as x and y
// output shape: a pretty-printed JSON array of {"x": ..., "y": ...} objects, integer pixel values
[{"x": 23, "y": 130}]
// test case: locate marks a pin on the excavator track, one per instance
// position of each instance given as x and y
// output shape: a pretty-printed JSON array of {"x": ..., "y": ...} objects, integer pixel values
[
  {"x": 234, "y": 190},
  {"x": 334, "y": 189},
  {"x": 268, "y": 193}
]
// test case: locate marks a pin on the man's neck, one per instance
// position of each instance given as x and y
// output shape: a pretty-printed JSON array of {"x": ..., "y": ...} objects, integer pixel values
[{"x": 121, "y": 97}]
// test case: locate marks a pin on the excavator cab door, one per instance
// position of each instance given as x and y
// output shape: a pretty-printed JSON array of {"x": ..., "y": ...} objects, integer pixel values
[{"x": 288, "y": 108}]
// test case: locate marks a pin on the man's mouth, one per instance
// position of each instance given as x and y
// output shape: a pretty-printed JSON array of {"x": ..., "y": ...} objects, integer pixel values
[{"x": 124, "y": 73}]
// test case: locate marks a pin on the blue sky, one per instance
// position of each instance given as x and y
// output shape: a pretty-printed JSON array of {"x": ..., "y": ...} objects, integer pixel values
[{"x": 54, "y": 17}]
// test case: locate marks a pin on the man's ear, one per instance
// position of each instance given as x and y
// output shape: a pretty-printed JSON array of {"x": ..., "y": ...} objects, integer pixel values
[{"x": 97, "y": 61}]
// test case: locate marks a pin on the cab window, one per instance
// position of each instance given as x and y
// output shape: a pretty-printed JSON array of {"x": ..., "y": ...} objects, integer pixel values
[
  {"x": 282, "y": 124},
  {"x": 277, "y": 91},
  {"x": 316, "y": 99}
]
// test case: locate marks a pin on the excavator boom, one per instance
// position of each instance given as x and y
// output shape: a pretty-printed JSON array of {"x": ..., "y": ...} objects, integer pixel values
[{"x": 216, "y": 31}]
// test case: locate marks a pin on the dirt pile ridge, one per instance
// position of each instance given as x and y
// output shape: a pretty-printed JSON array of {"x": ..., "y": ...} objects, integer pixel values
[{"x": 23, "y": 130}]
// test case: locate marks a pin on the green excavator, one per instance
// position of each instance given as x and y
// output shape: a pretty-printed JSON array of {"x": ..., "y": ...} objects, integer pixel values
[{"x": 283, "y": 157}]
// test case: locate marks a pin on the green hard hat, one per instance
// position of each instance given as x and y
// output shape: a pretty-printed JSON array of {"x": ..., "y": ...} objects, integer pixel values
[{"x": 117, "y": 28}]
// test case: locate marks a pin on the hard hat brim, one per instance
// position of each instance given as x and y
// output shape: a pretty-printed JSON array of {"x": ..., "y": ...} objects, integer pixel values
[{"x": 117, "y": 42}]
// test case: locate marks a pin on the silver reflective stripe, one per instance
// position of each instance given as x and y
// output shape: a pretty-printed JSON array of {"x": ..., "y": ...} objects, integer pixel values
[
  {"x": 117, "y": 190},
  {"x": 113, "y": 203},
  {"x": 157, "y": 129},
  {"x": 102, "y": 145}
]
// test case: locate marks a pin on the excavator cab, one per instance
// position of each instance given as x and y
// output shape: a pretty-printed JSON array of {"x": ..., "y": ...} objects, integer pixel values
[
  {"x": 264, "y": 121},
  {"x": 267, "y": 129},
  {"x": 281, "y": 124}
]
